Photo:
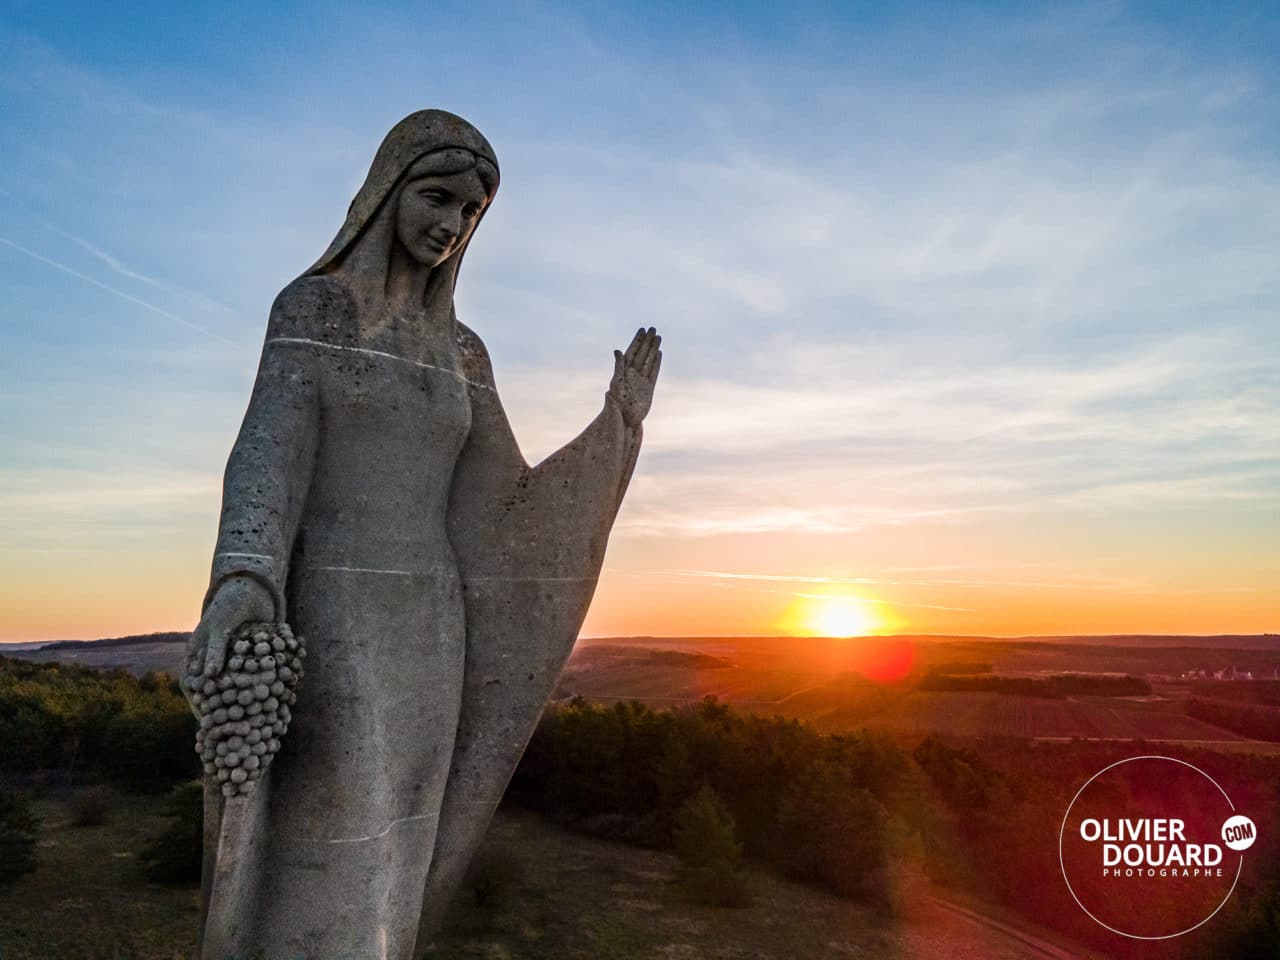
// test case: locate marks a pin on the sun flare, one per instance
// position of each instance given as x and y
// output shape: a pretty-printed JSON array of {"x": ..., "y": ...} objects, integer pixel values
[{"x": 834, "y": 616}]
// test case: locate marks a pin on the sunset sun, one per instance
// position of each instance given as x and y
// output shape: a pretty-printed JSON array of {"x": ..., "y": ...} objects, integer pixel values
[{"x": 834, "y": 616}]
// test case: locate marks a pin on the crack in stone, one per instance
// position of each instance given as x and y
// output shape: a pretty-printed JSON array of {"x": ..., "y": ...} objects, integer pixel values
[
  {"x": 378, "y": 353},
  {"x": 379, "y": 836}
]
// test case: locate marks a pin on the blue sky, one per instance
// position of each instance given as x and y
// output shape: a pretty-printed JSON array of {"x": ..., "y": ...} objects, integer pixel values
[{"x": 988, "y": 288}]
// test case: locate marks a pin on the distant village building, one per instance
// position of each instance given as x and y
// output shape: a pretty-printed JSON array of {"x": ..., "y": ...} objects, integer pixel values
[{"x": 1226, "y": 673}]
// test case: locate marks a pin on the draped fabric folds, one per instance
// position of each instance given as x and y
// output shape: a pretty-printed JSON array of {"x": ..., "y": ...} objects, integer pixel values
[{"x": 439, "y": 580}]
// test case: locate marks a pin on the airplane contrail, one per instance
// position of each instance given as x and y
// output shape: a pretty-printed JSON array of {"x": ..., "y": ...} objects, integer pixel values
[{"x": 112, "y": 290}]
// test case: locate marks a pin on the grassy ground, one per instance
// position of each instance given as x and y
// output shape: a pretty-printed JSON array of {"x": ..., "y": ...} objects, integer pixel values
[
  {"x": 569, "y": 897},
  {"x": 551, "y": 896},
  {"x": 88, "y": 897},
  {"x": 573, "y": 898}
]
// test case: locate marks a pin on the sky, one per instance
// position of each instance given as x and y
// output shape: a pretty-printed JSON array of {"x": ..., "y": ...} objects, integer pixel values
[{"x": 969, "y": 311}]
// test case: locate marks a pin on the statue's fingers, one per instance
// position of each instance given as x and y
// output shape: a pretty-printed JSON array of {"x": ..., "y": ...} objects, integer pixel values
[
  {"x": 646, "y": 350},
  {"x": 654, "y": 366},
  {"x": 655, "y": 341},
  {"x": 217, "y": 652},
  {"x": 636, "y": 341},
  {"x": 196, "y": 647}
]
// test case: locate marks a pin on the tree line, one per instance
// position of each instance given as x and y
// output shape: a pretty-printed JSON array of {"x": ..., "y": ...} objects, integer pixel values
[
  {"x": 830, "y": 810},
  {"x": 1054, "y": 687},
  {"x": 859, "y": 814},
  {"x": 80, "y": 722},
  {"x": 1257, "y": 721}
]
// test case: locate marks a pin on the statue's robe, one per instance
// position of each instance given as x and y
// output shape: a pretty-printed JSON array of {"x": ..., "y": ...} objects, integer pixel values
[{"x": 440, "y": 583}]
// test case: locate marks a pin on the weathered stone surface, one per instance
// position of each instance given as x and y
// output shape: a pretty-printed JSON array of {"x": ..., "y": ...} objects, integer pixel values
[
  {"x": 377, "y": 502},
  {"x": 255, "y": 699}
]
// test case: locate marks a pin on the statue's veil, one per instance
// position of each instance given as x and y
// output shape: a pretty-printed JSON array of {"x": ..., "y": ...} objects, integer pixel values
[
  {"x": 529, "y": 543},
  {"x": 419, "y": 134}
]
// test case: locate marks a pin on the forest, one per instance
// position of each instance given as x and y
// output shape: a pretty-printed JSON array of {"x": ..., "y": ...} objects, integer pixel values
[
  {"x": 1057, "y": 686},
  {"x": 869, "y": 817}
]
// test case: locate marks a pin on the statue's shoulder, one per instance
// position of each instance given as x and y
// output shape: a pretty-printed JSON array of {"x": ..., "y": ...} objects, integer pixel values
[
  {"x": 474, "y": 357},
  {"x": 314, "y": 308}
]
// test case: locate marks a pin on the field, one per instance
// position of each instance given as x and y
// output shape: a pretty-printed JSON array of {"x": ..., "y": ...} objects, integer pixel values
[
  {"x": 157, "y": 651},
  {"x": 826, "y": 683},
  {"x": 845, "y": 684},
  {"x": 551, "y": 895},
  {"x": 991, "y": 714}
]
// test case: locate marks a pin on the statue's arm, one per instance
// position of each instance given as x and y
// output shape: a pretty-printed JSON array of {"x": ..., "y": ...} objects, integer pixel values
[
  {"x": 270, "y": 466},
  {"x": 603, "y": 455},
  {"x": 630, "y": 453},
  {"x": 491, "y": 457},
  {"x": 617, "y": 428}
]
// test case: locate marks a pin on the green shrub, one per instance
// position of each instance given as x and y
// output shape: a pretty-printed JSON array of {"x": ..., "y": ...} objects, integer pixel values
[
  {"x": 91, "y": 807},
  {"x": 965, "y": 781},
  {"x": 625, "y": 771},
  {"x": 834, "y": 833},
  {"x": 709, "y": 852},
  {"x": 493, "y": 877},
  {"x": 72, "y": 719},
  {"x": 175, "y": 855},
  {"x": 19, "y": 832},
  {"x": 149, "y": 750}
]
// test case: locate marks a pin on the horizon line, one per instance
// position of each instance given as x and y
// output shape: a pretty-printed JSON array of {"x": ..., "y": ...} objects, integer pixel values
[{"x": 777, "y": 636}]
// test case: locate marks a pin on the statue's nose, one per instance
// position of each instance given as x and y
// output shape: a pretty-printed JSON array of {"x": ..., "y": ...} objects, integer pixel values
[{"x": 450, "y": 227}]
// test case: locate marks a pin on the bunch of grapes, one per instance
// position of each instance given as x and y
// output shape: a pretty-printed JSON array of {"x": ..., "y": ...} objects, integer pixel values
[{"x": 244, "y": 711}]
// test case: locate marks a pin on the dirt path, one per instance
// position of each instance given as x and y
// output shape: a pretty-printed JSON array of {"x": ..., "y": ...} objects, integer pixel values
[{"x": 1025, "y": 943}]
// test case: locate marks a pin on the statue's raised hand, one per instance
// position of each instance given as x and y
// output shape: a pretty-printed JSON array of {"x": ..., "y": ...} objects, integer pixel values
[
  {"x": 634, "y": 375},
  {"x": 237, "y": 601}
]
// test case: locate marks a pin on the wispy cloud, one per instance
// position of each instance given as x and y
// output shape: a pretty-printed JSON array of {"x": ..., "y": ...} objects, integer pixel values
[
  {"x": 159, "y": 311},
  {"x": 901, "y": 587},
  {"x": 104, "y": 257},
  {"x": 1072, "y": 583},
  {"x": 1192, "y": 419},
  {"x": 87, "y": 511},
  {"x": 116, "y": 266},
  {"x": 736, "y": 582},
  {"x": 933, "y": 317}
]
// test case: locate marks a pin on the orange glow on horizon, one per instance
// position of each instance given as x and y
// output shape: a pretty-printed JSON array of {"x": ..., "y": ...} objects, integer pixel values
[
  {"x": 838, "y": 615},
  {"x": 627, "y": 606},
  {"x": 841, "y": 617},
  {"x": 148, "y": 586}
]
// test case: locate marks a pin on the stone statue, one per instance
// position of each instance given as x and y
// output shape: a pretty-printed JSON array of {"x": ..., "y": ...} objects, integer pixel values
[{"x": 376, "y": 501}]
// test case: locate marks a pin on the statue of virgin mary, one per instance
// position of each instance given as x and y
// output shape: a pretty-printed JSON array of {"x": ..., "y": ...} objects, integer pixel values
[{"x": 376, "y": 501}]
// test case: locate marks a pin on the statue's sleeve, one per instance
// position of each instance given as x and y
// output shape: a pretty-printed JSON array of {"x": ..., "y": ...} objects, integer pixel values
[
  {"x": 530, "y": 542},
  {"x": 269, "y": 470}
]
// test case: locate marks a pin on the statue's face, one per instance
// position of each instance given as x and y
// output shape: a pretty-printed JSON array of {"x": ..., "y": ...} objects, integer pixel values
[{"x": 437, "y": 214}]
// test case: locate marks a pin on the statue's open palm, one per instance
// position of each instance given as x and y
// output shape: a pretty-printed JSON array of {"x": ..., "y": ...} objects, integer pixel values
[{"x": 634, "y": 375}]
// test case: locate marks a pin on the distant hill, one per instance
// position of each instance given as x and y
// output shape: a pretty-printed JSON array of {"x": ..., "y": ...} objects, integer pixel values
[
  {"x": 138, "y": 654},
  {"x": 172, "y": 636},
  {"x": 1218, "y": 641},
  {"x": 163, "y": 651}
]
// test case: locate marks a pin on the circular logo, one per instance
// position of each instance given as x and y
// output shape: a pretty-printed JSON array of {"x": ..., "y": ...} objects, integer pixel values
[
  {"x": 1238, "y": 832},
  {"x": 1151, "y": 847}
]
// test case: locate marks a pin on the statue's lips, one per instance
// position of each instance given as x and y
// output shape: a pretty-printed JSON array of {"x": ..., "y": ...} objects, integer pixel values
[{"x": 441, "y": 246}]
